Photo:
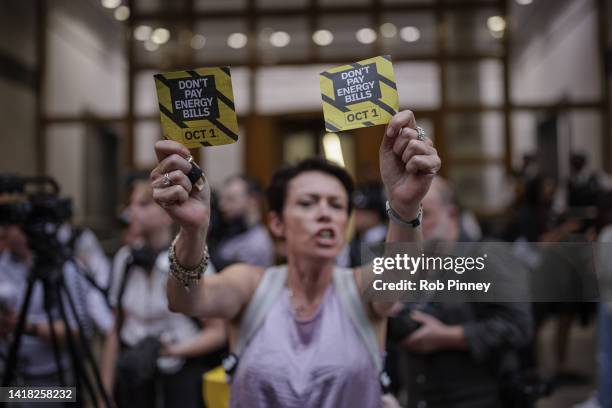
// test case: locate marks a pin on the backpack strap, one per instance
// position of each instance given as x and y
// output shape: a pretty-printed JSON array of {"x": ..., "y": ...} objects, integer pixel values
[
  {"x": 267, "y": 292},
  {"x": 344, "y": 281}
]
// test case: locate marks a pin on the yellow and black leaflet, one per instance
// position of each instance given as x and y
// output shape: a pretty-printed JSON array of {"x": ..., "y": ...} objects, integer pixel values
[
  {"x": 359, "y": 95},
  {"x": 197, "y": 106}
]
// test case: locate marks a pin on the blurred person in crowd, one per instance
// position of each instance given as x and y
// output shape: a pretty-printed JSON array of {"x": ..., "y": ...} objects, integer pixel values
[
  {"x": 582, "y": 185},
  {"x": 603, "y": 395},
  {"x": 152, "y": 356},
  {"x": 242, "y": 238},
  {"x": 455, "y": 350},
  {"x": 370, "y": 220},
  {"x": 307, "y": 352},
  {"x": 95, "y": 266},
  {"x": 36, "y": 363}
]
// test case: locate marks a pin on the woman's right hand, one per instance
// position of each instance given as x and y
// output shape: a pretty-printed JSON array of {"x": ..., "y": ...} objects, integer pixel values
[{"x": 188, "y": 207}]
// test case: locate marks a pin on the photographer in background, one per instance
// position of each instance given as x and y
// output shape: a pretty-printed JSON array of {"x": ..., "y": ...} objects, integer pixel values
[
  {"x": 455, "y": 350},
  {"x": 153, "y": 357},
  {"x": 36, "y": 364}
]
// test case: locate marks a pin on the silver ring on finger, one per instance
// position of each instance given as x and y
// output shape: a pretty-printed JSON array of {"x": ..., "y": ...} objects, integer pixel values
[
  {"x": 167, "y": 180},
  {"x": 420, "y": 133}
]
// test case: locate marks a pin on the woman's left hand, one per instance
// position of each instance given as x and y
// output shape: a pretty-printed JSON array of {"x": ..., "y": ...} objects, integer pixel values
[{"x": 407, "y": 165}]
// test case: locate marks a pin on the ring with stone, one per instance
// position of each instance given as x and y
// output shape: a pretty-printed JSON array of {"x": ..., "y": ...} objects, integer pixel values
[
  {"x": 167, "y": 180},
  {"x": 420, "y": 133}
]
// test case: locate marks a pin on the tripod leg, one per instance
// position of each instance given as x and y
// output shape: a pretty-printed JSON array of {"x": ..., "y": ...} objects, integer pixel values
[
  {"x": 11, "y": 363},
  {"x": 79, "y": 367},
  {"x": 87, "y": 351},
  {"x": 54, "y": 341}
]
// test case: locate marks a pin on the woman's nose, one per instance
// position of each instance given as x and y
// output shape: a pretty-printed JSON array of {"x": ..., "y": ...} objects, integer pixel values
[{"x": 324, "y": 212}]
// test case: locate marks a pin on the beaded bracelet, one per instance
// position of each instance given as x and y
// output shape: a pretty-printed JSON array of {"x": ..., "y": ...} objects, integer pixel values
[{"x": 184, "y": 276}]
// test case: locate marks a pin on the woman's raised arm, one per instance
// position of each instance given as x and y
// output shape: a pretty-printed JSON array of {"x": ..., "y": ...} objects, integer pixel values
[{"x": 221, "y": 295}]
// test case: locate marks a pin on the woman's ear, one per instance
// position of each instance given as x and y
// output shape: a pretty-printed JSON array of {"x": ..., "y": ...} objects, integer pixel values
[{"x": 276, "y": 225}]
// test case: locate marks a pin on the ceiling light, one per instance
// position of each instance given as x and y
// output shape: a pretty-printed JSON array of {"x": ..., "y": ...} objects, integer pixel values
[
  {"x": 366, "y": 35},
  {"x": 524, "y": 2},
  {"x": 151, "y": 46},
  {"x": 142, "y": 32},
  {"x": 497, "y": 34},
  {"x": 197, "y": 42},
  {"x": 410, "y": 34},
  {"x": 280, "y": 39},
  {"x": 122, "y": 13},
  {"x": 388, "y": 30},
  {"x": 496, "y": 23},
  {"x": 111, "y": 4},
  {"x": 160, "y": 36},
  {"x": 237, "y": 40},
  {"x": 323, "y": 37}
]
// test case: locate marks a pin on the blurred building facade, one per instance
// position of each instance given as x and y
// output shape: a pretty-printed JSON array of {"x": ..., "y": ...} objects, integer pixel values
[{"x": 490, "y": 81}]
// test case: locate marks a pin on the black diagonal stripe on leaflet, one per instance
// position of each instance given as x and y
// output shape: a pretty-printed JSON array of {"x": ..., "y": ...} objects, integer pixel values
[
  {"x": 227, "y": 71},
  {"x": 205, "y": 144},
  {"x": 368, "y": 123},
  {"x": 165, "y": 110},
  {"x": 383, "y": 106},
  {"x": 218, "y": 93},
  {"x": 171, "y": 116},
  {"x": 330, "y": 100},
  {"x": 386, "y": 81},
  {"x": 334, "y": 104},
  {"x": 223, "y": 128},
  {"x": 331, "y": 127}
]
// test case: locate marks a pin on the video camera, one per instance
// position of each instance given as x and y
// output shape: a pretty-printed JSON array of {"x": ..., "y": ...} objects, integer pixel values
[
  {"x": 31, "y": 201},
  {"x": 34, "y": 204}
]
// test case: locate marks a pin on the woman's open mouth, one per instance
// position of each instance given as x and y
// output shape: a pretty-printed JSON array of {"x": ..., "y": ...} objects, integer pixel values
[{"x": 325, "y": 237}]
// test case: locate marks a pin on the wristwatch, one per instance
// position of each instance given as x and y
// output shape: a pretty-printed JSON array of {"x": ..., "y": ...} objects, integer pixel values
[{"x": 394, "y": 216}]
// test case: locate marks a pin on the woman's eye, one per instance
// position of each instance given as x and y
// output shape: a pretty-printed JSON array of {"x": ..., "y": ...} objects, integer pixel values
[
  {"x": 337, "y": 206},
  {"x": 304, "y": 203}
]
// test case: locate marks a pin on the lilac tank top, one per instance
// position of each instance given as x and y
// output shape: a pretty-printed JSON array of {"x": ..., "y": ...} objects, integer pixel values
[{"x": 317, "y": 363}]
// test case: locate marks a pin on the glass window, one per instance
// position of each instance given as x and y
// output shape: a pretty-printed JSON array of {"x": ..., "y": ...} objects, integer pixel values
[
  {"x": 524, "y": 140},
  {"x": 475, "y": 135},
  {"x": 289, "y": 89},
  {"x": 483, "y": 187},
  {"x": 475, "y": 83},
  {"x": 146, "y": 133},
  {"x": 468, "y": 31},
  {"x": 418, "y": 84},
  {"x": 145, "y": 99},
  {"x": 559, "y": 64}
]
